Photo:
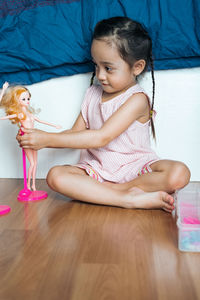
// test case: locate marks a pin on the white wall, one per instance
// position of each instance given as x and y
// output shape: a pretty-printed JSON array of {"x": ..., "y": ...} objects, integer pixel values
[{"x": 177, "y": 103}]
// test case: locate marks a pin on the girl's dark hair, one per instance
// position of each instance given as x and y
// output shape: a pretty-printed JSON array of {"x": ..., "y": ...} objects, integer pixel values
[{"x": 132, "y": 42}]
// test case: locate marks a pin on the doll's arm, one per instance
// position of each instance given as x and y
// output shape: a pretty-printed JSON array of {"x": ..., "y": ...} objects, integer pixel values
[
  {"x": 8, "y": 117},
  {"x": 5, "y": 85},
  {"x": 19, "y": 116},
  {"x": 47, "y": 123}
]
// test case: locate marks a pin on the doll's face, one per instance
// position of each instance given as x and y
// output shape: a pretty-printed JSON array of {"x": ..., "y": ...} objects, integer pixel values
[{"x": 24, "y": 98}]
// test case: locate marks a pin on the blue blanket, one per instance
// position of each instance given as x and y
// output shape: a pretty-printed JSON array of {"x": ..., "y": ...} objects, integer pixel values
[{"x": 43, "y": 39}]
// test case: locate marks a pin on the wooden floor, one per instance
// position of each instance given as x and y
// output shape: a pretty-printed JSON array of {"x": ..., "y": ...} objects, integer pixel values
[{"x": 63, "y": 249}]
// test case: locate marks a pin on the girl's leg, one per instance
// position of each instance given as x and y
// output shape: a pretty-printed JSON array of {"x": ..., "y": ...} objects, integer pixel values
[
  {"x": 76, "y": 184},
  {"x": 166, "y": 175},
  {"x": 30, "y": 156}
]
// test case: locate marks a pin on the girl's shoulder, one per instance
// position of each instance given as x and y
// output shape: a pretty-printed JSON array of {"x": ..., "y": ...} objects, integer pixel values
[
  {"x": 129, "y": 93},
  {"x": 135, "y": 89}
]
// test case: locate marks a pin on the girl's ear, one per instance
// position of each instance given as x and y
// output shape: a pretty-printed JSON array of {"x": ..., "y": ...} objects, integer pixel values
[{"x": 138, "y": 67}]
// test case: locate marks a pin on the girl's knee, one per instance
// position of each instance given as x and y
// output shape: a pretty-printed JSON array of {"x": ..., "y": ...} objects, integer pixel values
[
  {"x": 59, "y": 176},
  {"x": 179, "y": 176},
  {"x": 53, "y": 177}
]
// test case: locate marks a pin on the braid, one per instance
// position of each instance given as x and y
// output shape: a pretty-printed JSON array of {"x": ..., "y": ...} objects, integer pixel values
[
  {"x": 153, "y": 95},
  {"x": 92, "y": 79}
]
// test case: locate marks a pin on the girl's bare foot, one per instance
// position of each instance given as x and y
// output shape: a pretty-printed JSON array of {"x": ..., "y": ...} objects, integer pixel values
[{"x": 155, "y": 200}]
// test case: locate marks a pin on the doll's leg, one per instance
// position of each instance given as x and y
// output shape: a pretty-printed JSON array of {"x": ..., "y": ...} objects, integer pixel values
[
  {"x": 34, "y": 170},
  {"x": 30, "y": 156},
  {"x": 166, "y": 175},
  {"x": 76, "y": 184}
]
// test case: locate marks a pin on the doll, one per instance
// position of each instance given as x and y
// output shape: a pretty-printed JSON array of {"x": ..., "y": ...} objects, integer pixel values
[{"x": 15, "y": 100}]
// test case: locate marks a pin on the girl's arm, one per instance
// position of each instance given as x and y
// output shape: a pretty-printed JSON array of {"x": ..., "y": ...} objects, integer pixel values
[
  {"x": 38, "y": 138},
  {"x": 135, "y": 108},
  {"x": 47, "y": 123}
]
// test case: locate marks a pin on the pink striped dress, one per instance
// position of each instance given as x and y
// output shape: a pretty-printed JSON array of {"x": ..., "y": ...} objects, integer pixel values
[{"x": 127, "y": 156}]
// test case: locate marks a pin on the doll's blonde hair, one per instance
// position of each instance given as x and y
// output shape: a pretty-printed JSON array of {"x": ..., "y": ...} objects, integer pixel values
[{"x": 10, "y": 102}]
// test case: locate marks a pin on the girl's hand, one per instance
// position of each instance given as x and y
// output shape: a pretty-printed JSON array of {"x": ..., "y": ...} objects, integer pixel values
[{"x": 32, "y": 139}]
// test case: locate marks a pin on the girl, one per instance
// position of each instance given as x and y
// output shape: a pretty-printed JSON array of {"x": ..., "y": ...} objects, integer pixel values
[
  {"x": 117, "y": 166},
  {"x": 15, "y": 100}
]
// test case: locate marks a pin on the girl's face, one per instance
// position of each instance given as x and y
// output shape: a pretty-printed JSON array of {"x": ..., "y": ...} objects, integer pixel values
[
  {"x": 24, "y": 98},
  {"x": 114, "y": 74}
]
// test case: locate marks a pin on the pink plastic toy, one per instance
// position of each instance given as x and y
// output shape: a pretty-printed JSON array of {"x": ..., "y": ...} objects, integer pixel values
[
  {"x": 26, "y": 194},
  {"x": 15, "y": 100},
  {"x": 4, "y": 209},
  {"x": 190, "y": 220}
]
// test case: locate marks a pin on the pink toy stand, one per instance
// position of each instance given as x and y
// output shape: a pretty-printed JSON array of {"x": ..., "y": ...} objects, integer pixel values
[
  {"x": 4, "y": 209},
  {"x": 26, "y": 194}
]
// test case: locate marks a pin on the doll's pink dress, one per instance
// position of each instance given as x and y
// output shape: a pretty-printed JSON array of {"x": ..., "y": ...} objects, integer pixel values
[{"x": 127, "y": 156}]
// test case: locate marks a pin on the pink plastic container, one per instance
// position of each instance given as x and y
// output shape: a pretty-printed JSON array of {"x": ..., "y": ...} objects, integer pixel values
[{"x": 188, "y": 218}]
